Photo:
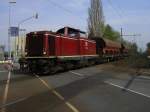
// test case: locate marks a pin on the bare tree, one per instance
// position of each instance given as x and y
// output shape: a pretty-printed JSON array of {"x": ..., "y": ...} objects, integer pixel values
[{"x": 96, "y": 19}]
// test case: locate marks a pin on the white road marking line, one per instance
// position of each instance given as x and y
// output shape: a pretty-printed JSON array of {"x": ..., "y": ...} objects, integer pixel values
[
  {"x": 71, "y": 107},
  {"x": 81, "y": 75},
  {"x": 142, "y": 94},
  {"x": 58, "y": 95},
  {"x": 146, "y": 73},
  {"x": 145, "y": 77},
  {"x": 74, "y": 109},
  {"x": 13, "y": 102},
  {"x": 6, "y": 91},
  {"x": 3, "y": 71}
]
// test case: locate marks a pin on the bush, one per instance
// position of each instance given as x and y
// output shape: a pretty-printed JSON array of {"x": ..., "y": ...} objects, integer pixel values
[{"x": 138, "y": 60}]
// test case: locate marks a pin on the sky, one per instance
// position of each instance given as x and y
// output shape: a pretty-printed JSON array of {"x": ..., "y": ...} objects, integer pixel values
[{"x": 131, "y": 15}]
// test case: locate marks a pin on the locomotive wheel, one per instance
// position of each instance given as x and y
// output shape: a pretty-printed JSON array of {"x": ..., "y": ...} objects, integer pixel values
[
  {"x": 53, "y": 70},
  {"x": 46, "y": 70},
  {"x": 108, "y": 60},
  {"x": 68, "y": 66},
  {"x": 32, "y": 67},
  {"x": 91, "y": 62}
]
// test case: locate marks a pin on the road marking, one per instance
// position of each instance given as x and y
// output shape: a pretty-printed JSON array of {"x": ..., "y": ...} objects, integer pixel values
[
  {"x": 58, "y": 95},
  {"x": 145, "y": 77},
  {"x": 73, "y": 108},
  {"x": 142, "y": 94},
  {"x": 146, "y": 73},
  {"x": 3, "y": 71},
  {"x": 13, "y": 102},
  {"x": 6, "y": 91},
  {"x": 81, "y": 75}
]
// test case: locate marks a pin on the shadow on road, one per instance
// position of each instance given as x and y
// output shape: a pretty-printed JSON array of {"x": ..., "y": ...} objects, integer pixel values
[
  {"x": 75, "y": 88},
  {"x": 131, "y": 80},
  {"x": 43, "y": 102}
]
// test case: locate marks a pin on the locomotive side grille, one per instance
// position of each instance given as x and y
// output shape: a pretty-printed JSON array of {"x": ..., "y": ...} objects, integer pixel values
[{"x": 35, "y": 45}]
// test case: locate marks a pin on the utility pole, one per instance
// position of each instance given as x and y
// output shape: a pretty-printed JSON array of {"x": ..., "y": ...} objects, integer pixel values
[
  {"x": 129, "y": 35},
  {"x": 9, "y": 30},
  {"x": 19, "y": 48},
  {"x": 121, "y": 35}
]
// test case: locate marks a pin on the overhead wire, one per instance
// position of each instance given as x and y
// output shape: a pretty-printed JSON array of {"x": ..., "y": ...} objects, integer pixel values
[
  {"x": 122, "y": 13},
  {"x": 65, "y": 9},
  {"x": 120, "y": 9},
  {"x": 118, "y": 13},
  {"x": 61, "y": 7}
]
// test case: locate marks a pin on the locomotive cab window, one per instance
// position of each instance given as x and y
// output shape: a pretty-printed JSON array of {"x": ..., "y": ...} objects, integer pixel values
[
  {"x": 83, "y": 35},
  {"x": 71, "y": 32},
  {"x": 34, "y": 44}
]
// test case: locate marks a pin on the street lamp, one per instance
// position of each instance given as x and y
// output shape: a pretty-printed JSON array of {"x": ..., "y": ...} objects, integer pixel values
[
  {"x": 21, "y": 22},
  {"x": 9, "y": 36}
]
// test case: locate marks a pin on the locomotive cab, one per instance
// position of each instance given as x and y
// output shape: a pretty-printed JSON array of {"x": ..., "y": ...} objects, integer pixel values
[
  {"x": 71, "y": 32},
  {"x": 37, "y": 44}
]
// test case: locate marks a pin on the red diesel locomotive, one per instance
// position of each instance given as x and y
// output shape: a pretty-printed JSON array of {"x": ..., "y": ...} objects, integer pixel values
[{"x": 47, "y": 52}]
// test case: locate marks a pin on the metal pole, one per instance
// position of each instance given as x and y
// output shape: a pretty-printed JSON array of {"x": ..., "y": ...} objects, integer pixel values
[
  {"x": 18, "y": 40},
  {"x": 22, "y": 42},
  {"x": 19, "y": 24},
  {"x": 121, "y": 34},
  {"x": 9, "y": 36},
  {"x": 9, "y": 30}
]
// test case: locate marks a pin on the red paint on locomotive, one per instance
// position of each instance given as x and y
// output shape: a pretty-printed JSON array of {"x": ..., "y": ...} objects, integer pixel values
[{"x": 65, "y": 42}]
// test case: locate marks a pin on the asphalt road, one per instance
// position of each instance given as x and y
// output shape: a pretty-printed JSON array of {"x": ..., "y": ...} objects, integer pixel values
[{"x": 91, "y": 89}]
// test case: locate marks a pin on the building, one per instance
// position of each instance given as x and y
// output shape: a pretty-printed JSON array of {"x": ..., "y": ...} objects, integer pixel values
[
  {"x": 2, "y": 51},
  {"x": 18, "y": 46}
]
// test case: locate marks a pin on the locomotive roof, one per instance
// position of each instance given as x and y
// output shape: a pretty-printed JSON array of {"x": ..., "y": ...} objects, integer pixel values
[
  {"x": 70, "y": 30},
  {"x": 42, "y": 32},
  {"x": 59, "y": 31}
]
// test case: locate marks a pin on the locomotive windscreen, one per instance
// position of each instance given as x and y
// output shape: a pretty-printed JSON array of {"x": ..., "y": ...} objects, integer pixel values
[{"x": 34, "y": 45}]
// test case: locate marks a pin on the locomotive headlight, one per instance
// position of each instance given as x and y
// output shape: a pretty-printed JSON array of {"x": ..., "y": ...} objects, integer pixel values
[
  {"x": 26, "y": 53},
  {"x": 44, "y": 53}
]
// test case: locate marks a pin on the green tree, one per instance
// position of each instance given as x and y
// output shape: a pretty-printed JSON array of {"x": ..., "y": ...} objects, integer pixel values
[
  {"x": 134, "y": 48},
  {"x": 111, "y": 34},
  {"x": 148, "y": 45},
  {"x": 148, "y": 49}
]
